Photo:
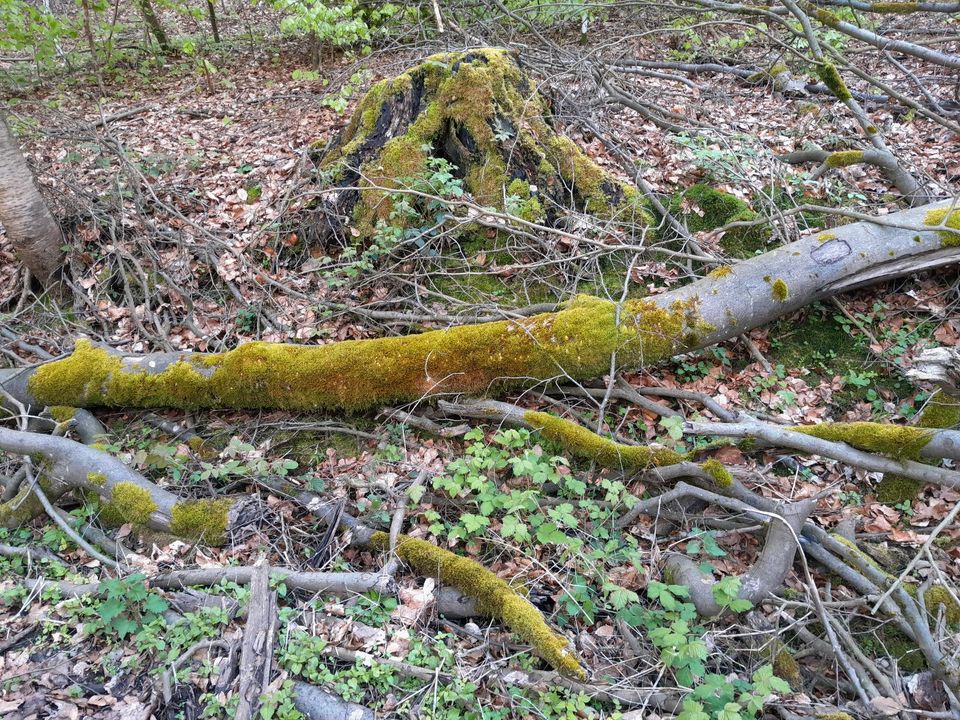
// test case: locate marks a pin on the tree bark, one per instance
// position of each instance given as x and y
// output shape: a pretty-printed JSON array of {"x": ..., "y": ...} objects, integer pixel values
[
  {"x": 25, "y": 217},
  {"x": 212, "y": 14},
  {"x": 153, "y": 24},
  {"x": 580, "y": 341}
]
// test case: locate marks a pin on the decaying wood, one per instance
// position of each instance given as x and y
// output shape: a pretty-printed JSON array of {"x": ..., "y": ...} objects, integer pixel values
[{"x": 259, "y": 636}]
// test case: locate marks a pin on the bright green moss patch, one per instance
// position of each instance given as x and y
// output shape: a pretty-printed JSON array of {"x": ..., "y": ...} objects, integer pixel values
[
  {"x": 844, "y": 158},
  {"x": 941, "y": 411},
  {"x": 939, "y": 595},
  {"x": 201, "y": 519},
  {"x": 357, "y": 374},
  {"x": 721, "y": 476},
  {"x": 779, "y": 290},
  {"x": 895, "y": 489},
  {"x": 62, "y": 413},
  {"x": 830, "y": 76},
  {"x": 132, "y": 503},
  {"x": 720, "y": 272},
  {"x": 896, "y": 441},
  {"x": 786, "y": 667},
  {"x": 493, "y": 595},
  {"x": 894, "y": 8},
  {"x": 939, "y": 217},
  {"x": 705, "y": 208},
  {"x": 581, "y": 442},
  {"x": 826, "y": 17},
  {"x": 826, "y": 237},
  {"x": 97, "y": 478}
]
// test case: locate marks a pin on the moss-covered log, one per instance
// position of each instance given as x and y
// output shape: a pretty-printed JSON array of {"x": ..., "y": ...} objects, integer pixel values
[
  {"x": 577, "y": 342},
  {"x": 482, "y": 113}
]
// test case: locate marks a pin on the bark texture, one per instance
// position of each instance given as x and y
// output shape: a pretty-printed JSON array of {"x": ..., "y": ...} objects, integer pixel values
[{"x": 25, "y": 216}]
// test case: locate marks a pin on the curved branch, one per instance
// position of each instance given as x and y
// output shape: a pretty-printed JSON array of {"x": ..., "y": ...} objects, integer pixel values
[{"x": 767, "y": 573}]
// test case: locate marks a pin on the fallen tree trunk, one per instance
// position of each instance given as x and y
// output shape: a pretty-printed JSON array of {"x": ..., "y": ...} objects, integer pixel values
[{"x": 581, "y": 341}]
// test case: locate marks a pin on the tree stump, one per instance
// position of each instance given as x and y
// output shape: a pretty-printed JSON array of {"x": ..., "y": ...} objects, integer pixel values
[{"x": 482, "y": 113}]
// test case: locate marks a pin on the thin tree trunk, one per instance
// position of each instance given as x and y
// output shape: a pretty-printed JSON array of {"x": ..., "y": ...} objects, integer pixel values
[
  {"x": 153, "y": 23},
  {"x": 212, "y": 13},
  {"x": 27, "y": 220}
]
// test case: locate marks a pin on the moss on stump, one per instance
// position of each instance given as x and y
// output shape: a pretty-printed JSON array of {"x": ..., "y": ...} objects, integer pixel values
[{"x": 481, "y": 112}]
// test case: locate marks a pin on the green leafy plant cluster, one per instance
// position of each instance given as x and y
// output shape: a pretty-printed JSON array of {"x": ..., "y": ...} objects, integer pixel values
[
  {"x": 477, "y": 476},
  {"x": 124, "y": 607},
  {"x": 417, "y": 217},
  {"x": 27, "y": 28},
  {"x": 673, "y": 629},
  {"x": 339, "y": 24}
]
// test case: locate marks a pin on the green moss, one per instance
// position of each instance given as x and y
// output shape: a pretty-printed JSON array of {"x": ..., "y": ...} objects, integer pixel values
[
  {"x": 201, "y": 519},
  {"x": 520, "y": 188},
  {"x": 97, "y": 478},
  {"x": 532, "y": 211},
  {"x": 871, "y": 129},
  {"x": 894, "y": 8},
  {"x": 826, "y": 237},
  {"x": 131, "y": 503},
  {"x": 714, "y": 208},
  {"x": 356, "y": 374},
  {"x": 894, "y": 489},
  {"x": 493, "y": 595},
  {"x": 859, "y": 553},
  {"x": 578, "y": 441},
  {"x": 826, "y": 17},
  {"x": 23, "y": 507},
  {"x": 896, "y": 441},
  {"x": 939, "y": 595},
  {"x": 786, "y": 667},
  {"x": 721, "y": 476},
  {"x": 830, "y": 76},
  {"x": 720, "y": 272},
  {"x": 779, "y": 290},
  {"x": 844, "y": 158},
  {"x": 941, "y": 411},
  {"x": 466, "y": 95},
  {"x": 939, "y": 217},
  {"x": 768, "y": 73},
  {"x": 888, "y": 641},
  {"x": 62, "y": 413}
]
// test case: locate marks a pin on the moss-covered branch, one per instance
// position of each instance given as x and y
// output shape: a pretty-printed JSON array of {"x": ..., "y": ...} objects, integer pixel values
[
  {"x": 577, "y": 341},
  {"x": 125, "y": 495},
  {"x": 493, "y": 595},
  {"x": 858, "y": 444}
]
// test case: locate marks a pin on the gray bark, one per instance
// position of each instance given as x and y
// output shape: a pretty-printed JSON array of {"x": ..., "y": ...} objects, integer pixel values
[{"x": 25, "y": 216}]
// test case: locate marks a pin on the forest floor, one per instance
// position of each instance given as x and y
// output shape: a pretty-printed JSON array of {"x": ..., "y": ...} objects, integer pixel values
[{"x": 180, "y": 210}]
